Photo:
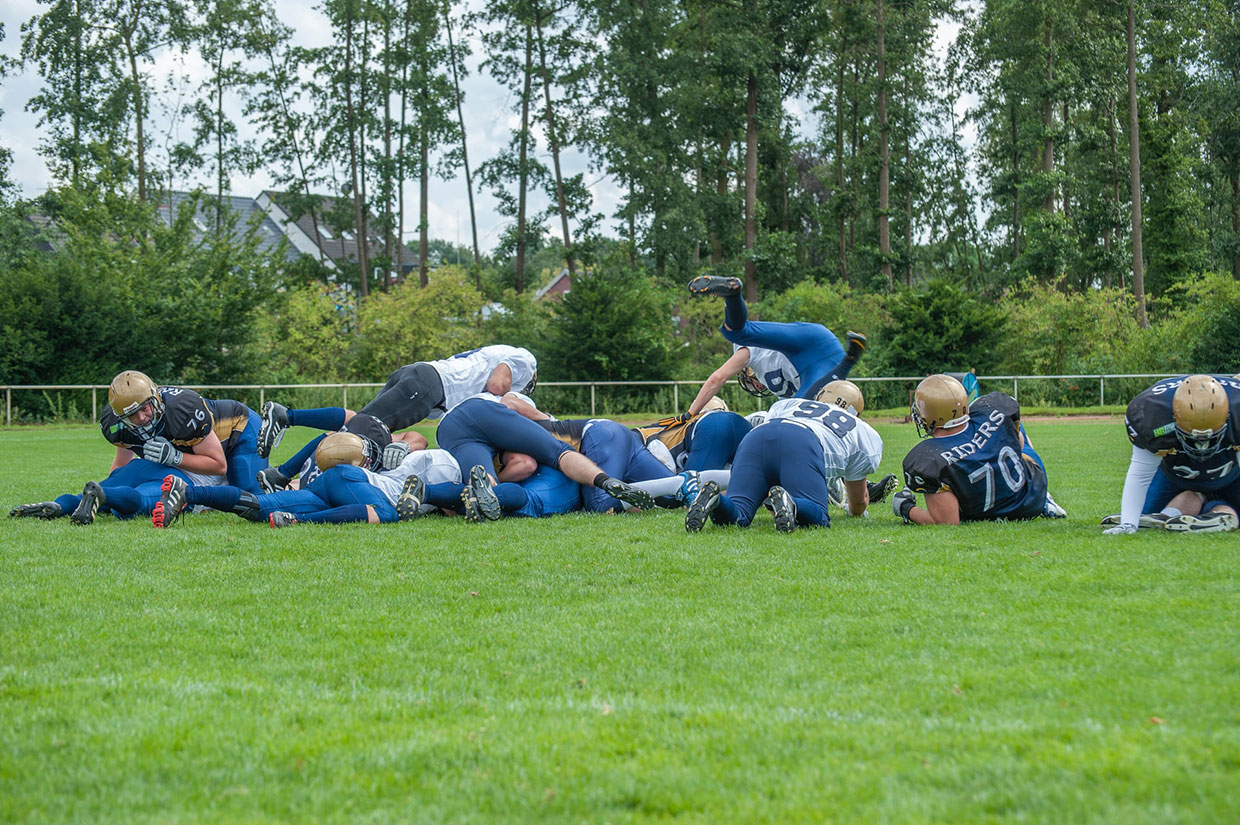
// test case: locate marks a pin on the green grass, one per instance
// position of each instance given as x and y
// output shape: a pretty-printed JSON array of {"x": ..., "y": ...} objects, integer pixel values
[{"x": 614, "y": 669}]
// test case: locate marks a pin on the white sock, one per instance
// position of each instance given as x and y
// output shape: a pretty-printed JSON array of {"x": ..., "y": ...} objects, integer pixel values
[{"x": 1171, "y": 511}]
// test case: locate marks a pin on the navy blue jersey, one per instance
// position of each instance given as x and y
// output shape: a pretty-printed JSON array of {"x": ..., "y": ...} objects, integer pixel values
[
  {"x": 982, "y": 465},
  {"x": 187, "y": 419},
  {"x": 230, "y": 420},
  {"x": 1151, "y": 426}
]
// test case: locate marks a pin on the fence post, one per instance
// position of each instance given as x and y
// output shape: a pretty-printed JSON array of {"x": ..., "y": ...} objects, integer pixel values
[
  {"x": 344, "y": 396},
  {"x": 1102, "y": 390},
  {"x": 262, "y": 393},
  {"x": 1016, "y": 388},
  {"x": 94, "y": 404},
  {"x": 592, "y": 400},
  {"x": 8, "y": 406},
  {"x": 676, "y": 396}
]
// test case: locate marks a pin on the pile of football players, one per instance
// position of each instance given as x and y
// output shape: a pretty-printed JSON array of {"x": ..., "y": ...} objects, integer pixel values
[{"x": 498, "y": 455}]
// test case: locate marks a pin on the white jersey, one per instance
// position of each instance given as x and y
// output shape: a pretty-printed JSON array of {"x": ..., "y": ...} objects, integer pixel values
[
  {"x": 432, "y": 466},
  {"x": 851, "y": 449},
  {"x": 466, "y": 374},
  {"x": 774, "y": 370}
]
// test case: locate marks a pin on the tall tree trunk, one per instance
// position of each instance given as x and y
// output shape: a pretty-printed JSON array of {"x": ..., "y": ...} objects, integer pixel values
[
  {"x": 363, "y": 239},
  {"x": 721, "y": 189},
  {"x": 219, "y": 141},
  {"x": 400, "y": 148},
  {"x": 554, "y": 143},
  {"x": 387, "y": 186},
  {"x": 1015, "y": 183},
  {"x": 908, "y": 194},
  {"x": 138, "y": 108},
  {"x": 469, "y": 184},
  {"x": 1108, "y": 234},
  {"x": 351, "y": 116},
  {"x": 854, "y": 149},
  {"x": 1134, "y": 162},
  {"x": 1063, "y": 163},
  {"x": 839, "y": 167},
  {"x": 751, "y": 185},
  {"x": 884, "y": 172},
  {"x": 523, "y": 174},
  {"x": 1235, "y": 220},
  {"x": 424, "y": 177},
  {"x": 1048, "y": 125},
  {"x": 77, "y": 92}
]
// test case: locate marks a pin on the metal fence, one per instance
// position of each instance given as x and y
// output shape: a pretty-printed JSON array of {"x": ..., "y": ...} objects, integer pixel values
[{"x": 96, "y": 389}]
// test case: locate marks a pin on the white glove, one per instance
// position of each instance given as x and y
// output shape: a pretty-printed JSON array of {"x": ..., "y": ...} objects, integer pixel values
[
  {"x": 394, "y": 454},
  {"x": 161, "y": 451},
  {"x": 1123, "y": 529},
  {"x": 902, "y": 502}
]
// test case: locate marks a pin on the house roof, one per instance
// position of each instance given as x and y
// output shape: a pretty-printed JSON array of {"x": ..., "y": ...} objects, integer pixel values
[
  {"x": 338, "y": 246},
  {"x": 246, "y": 209}
]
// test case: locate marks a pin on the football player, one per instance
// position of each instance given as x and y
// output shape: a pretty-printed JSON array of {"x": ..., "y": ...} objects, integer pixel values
[
  {"x": 848, "y": 396},
  {"x": 1184, "y": 474},
  {"x": 344, "y": 490},
  {"x": 977, "y": 463},
  {"x": 415, "y": 392},
  {"x": 705, "y": 441},
  {"x": 785, "y": 463},
  {"x": 157, "y": 430},
  {"x": 480, "y": 427},
  {"x": 545, "y": 492},
  {"x": 793, "y": 360}
]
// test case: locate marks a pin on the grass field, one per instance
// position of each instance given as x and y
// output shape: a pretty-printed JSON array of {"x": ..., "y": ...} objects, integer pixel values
[{"x": 614, "y": 669}]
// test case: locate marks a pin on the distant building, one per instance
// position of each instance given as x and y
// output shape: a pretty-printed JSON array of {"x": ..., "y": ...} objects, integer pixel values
[
  {"x": 246, "y": 210},
  {"x": 557, "y": 286}
]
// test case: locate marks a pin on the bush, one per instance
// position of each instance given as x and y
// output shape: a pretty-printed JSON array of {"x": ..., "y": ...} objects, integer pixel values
[{"x": 941, "y": 328}]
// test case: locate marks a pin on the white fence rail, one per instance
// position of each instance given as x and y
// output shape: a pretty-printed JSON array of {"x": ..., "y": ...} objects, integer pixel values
[{"x": 95, "y": 389}]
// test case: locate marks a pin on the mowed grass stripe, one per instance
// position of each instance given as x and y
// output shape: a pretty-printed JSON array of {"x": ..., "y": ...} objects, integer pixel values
[{"x": 593, "y": 668}]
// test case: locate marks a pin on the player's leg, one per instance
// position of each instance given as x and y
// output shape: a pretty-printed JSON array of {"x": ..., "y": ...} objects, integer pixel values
[
  {"x": 1219, "y": 513},
  {"x": 244, "y": 463},
  {"x": 615, "y": 449},
  {"x": 345, "y": 485},
  {"x": 408, "y": 397},
  {"x": 712, "y": 440},
  {"x": 802, "y": 475},
  {"x": 277, "y": 418},
  {"x": 754, "y": 472}
]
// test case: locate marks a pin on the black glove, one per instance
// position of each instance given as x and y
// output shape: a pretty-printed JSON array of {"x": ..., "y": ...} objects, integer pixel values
[
  {"x": 161, "y": 451},
  {"x": 902, "y": 503}
]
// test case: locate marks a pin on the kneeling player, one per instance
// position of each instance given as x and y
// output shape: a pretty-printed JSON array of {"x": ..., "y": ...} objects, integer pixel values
[
  {"x": 1184, "y": 475},
  {"x": 977, "y": 464}
]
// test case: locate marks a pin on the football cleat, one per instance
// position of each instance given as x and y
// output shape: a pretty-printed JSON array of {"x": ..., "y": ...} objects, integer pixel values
[
  {"x": 690, "y": 487},
  {"x": 1209, "y": 523},
  {"x": 43, "y": 509},
  {"x": 92, "y": 499},
  {"x": 715, "y": 285},
  {"x": 172, "y": 501},
  {"x": 1148, "y": 521},
  {"x": 279, "y": 518},
  {"x": 481, "y": 503},
  {"x": 879, "y": 490},
  {"x": 627, "y": 493},
  {"x": 271, "y": 480},
  {"x": 836, "y": 493},
  {"x": 856, "y": 345},
  {"x": 1053, "y": 510},
  {"x": 705, "y": 504},
  {"x": 783, "y": 508},
  {"x": 275, "y": 422},
  {"x": 409, "y": 502}
]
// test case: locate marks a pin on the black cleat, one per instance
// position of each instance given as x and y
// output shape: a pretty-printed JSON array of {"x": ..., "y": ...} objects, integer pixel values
[
  {"x": 481, "y": 503},
  {"x": 271, "y": 480},
  {"x": 92, "y": 499},
  {"x": 715, "y": 285},
  {"x": 783, "y": 508},
  {"x": 281, "y": 519},
  {"x": 275, "y": 422},
  {"x": 1209, "y": 523},
  {"x": 1148, "y": 521},
  {"x": 171, "y": 502},
  {"x": 627, "y": 493},
  {"x": 856, "y": 345},
  {"x": 879, "y": 490},
  {"x": 705, "y": 503},
  {"x": 43, "y": 509},
  {"x": 409, "y": 502}
]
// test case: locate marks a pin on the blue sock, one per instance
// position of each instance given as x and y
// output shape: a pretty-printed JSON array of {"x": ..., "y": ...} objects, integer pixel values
[
  {"x": 217, "y": 498},
  {"x": 292, "y": 467},
  {"x": 511, "y": 496},
  {"x": 735, "y": 313},
  {"x": 68, "y": 503},
  {"x": 446, "y": 494},
  {"x": 323, "y": 418},
  {"x": 337, "y": 515}
]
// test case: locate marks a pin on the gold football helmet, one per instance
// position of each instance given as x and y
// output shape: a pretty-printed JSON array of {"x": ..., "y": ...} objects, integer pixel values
[
  {"x": 748, "y": 379},
  {"x": 340, "y": 448},
  {"x": 939, "y": 401},
  {"x": 715, "y": 403},
  {"x": 129, "y": 392},
  {"x": 844, "y": 394},
  {"x": 1201, "y": 410}
]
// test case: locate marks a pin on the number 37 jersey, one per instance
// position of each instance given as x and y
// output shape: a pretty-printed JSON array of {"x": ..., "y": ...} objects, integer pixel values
[
  {"x": 982, "y": 465},
  {"x": 851, "y": 449}
]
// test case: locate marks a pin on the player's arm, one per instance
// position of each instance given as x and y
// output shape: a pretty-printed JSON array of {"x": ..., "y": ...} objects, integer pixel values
[
  {"x": 206, "y": 457},
  {"x": 738, "y": 361},
  {"x": 941, "y": 508},
  {"x": 517, "y": 467},
  {"x": 1141, "y": 470},
  {"x": 523, "y": 407},
  {"x": 123, "y": 456},
  {"x": 413, "y": 438},
  {"x": 500, "y": 380},
  {"x": 858, "y": 496}
]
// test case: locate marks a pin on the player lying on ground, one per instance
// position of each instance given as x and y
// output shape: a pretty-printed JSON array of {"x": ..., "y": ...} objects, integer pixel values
[
  {"x": 789, "y": 360},
  {"x": 1184, "y": 474},
  {"x": 785, "y": 464},
  {"x": 157, "y": 430},
  {"x": 977, "y": 463},
  {"x": 415, "y": 392}
]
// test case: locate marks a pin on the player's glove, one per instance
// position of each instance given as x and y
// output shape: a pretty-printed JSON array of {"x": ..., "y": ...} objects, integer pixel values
[
  {"x": 1121, "y": 530},
  {"x": 161, "y": 451},
  {"x": 902, "y": 503},
  {"x": 676, "y": 419},
  {"x": 394, "y": 454}
]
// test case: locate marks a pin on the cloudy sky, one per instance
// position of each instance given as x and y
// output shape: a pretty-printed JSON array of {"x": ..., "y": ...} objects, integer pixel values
[{"x": 488, "y": 112}]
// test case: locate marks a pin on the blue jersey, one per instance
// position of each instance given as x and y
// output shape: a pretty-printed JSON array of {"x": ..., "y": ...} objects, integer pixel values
[
  {"x": 186, "y": 420},
  {"x": 1151, "y": 426},
  {"x": 982, "y": 465}
]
